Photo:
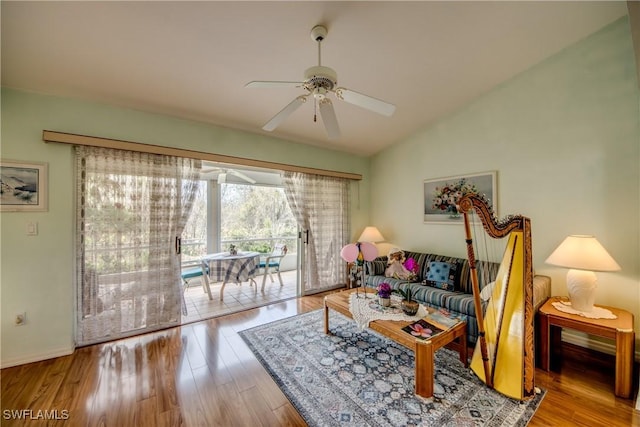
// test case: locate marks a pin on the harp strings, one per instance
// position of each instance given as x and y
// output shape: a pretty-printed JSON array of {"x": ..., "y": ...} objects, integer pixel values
[{"x": 486, "y": 250}]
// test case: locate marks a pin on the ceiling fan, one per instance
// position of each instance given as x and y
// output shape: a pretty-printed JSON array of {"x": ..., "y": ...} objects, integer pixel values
[
  {"x": 318, "y": 82},
  {"x": 223, "y": 174}
]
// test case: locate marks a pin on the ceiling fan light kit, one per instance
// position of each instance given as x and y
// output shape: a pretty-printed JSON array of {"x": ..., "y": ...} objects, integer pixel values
[{"x": 319, "y": 81}]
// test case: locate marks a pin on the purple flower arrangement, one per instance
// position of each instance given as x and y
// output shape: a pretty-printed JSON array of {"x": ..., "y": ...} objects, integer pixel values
[{"x": 384, "y": 290}]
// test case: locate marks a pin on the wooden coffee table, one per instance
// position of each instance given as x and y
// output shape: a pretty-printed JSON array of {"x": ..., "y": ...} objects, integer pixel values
[{"x": 423, "y": 349}]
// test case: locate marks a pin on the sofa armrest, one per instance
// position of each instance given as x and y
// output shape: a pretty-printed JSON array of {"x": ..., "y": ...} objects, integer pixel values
[{"x": 541, "y": 290}]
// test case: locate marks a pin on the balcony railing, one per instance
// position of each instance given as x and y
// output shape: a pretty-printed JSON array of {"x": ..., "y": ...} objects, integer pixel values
[{"x": 193, "y": 250}]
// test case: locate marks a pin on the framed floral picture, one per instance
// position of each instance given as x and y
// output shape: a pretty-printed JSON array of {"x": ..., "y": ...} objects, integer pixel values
[
  {"x": 23, "y": 186},
  {"x": 441, "y": 195}
]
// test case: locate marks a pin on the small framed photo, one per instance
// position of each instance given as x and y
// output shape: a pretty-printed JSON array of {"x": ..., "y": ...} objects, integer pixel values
[
  {"x": 441, "y": 195},
  {"x": 23, "y": 186}
]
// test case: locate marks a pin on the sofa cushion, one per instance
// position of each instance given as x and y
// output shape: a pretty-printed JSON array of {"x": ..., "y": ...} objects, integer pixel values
[
  {"x": 442, "y": 275},
  {"x": 487, "y": 272},
  {"x": 457, "y": 302},
  {"x": 374, "y": 281},
  {"x": 461, "y": 303},
  {"x": 377, "y": 266},
  {"x": 429, "y": 295}
]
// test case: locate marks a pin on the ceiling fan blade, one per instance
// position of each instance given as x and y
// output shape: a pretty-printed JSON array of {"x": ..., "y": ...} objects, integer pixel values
[
  {"x": 329, "y": 118},
  {"x": 365, "y": 101},
  {"x": 209, "y": 169},
  {"x": 268, "y": 84},
  {"x": 284, "y": 113},
  {"x": 242, "y": 176}
]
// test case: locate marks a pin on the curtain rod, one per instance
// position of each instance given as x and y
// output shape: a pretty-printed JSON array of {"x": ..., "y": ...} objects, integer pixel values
[{"x": 94, "y": 141}]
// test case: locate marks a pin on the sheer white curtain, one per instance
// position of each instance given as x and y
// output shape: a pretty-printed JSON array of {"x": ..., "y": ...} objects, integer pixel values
[
  {"x": 131, "y": 210},
  {"x": 321, "y": 207}
]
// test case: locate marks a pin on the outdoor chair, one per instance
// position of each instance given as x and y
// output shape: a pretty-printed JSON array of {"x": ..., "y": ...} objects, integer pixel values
[
  {"x": 191, "y": 270},
  {"x": 272, "y": 263}
]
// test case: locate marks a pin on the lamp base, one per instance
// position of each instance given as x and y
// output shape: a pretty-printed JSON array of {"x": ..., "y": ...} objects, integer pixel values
[{"x": 581, "y": 285}]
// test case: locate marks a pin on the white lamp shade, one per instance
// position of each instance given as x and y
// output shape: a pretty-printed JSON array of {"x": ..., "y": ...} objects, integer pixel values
[
  {"x": 371, "y": 234},
  {"x": 582, "y": 253}
]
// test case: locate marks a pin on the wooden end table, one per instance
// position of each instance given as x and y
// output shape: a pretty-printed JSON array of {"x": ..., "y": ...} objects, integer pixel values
[
  {"x": 424, "y": 349},
  {"x": 551, "y": 321}
]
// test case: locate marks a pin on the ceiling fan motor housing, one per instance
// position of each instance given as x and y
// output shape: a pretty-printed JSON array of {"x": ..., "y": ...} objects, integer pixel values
[{"x": 320, "y": 77}]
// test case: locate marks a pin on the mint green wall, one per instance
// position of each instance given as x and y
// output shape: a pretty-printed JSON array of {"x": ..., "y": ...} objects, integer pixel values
[
  {"x": 564, "y": 137},
  {"x": 37, "y": 272}
]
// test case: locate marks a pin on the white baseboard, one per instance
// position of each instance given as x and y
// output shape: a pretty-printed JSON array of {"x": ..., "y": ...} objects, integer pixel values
[
  {"x": 583, "y": 340},
  {"x": 65, "y": 351}
]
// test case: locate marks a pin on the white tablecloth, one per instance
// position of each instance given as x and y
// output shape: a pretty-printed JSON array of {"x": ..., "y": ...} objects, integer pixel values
[{"x": 365, "y": 310}]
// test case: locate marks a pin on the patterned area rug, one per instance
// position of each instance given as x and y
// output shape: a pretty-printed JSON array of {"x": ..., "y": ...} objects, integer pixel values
[{"x": 360, "y": 378}]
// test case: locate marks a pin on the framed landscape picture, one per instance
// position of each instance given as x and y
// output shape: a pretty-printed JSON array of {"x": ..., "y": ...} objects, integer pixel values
[
  {"x": 441, "y": 195},
  {"x": 23, "y": 186}
]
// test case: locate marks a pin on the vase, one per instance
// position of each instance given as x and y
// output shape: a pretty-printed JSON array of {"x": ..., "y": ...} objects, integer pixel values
[
  {"x": 385, "y": 302},
  {"x": 410, "y": 308}
]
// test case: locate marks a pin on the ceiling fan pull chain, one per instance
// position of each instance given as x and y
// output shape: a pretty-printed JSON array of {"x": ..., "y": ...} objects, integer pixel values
[{"x": 315, "y": 109}]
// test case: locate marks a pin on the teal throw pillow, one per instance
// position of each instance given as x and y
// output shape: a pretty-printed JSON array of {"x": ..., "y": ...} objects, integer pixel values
[{"x": 442, "y": 275}]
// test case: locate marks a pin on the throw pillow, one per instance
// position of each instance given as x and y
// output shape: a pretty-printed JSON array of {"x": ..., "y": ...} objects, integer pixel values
[
  {"x": 442, "y": 275},
  {"x": 376, "y": 267},
  {"x": 485, "y": 293}
]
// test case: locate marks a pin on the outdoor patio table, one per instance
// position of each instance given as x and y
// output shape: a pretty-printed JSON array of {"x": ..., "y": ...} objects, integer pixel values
[{"x": 224, "y": 267}]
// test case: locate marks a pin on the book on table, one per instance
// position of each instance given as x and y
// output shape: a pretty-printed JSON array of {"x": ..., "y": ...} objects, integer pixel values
[
  {"x": 422, "y": 329},
  {"x": 431, "y": 325}
]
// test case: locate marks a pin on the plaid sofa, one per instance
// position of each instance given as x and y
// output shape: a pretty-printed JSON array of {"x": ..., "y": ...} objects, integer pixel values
[{"x": 458, "y": 301}]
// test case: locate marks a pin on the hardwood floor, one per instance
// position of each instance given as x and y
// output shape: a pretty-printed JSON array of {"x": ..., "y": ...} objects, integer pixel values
[{"x": 203, "y": 374}]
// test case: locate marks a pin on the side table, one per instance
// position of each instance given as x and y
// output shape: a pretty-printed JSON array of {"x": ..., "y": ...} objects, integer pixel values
[{"x": 551, "y": 322}]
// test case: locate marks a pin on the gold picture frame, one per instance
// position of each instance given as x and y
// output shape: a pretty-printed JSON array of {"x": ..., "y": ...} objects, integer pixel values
[{"x": 441, "y": 194}]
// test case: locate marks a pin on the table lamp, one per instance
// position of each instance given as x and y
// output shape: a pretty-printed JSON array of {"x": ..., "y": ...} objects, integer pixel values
[
  {"x": 371, "y": 234},
  {"x": 582, "y": 255}
]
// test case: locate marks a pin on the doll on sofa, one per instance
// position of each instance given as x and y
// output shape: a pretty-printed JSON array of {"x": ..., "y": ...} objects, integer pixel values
[{"x": 396, "y": 267}]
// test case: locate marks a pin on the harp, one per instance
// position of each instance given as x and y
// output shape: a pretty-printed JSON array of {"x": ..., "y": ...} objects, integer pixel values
[{"x": 504, "y": 354}]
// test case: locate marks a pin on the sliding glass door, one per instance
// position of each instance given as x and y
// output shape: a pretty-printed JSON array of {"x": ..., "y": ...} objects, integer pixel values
[
  {"x": 321, "y": 208},
  {"x": 131, "y": 211}
]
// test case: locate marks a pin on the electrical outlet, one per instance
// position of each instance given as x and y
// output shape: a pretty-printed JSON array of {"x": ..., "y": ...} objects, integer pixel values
[{"x": 21, "y": 319}]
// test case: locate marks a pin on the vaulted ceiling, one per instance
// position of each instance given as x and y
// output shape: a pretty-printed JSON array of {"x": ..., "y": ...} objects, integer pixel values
[{"x": 193, "y": 59}]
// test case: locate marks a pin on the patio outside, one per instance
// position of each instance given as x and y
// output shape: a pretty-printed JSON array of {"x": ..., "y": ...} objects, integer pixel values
[{"x": 252, "y": 218}]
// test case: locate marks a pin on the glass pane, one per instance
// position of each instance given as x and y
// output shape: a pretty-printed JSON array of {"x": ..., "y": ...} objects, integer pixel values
[
  {"x": 194, "y": 236},
  {"x": 254, "y": 218}
]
